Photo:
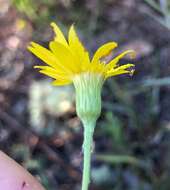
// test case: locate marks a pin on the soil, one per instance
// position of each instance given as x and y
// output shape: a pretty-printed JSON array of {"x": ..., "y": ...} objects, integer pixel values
[{"x": 54, "y": 153}]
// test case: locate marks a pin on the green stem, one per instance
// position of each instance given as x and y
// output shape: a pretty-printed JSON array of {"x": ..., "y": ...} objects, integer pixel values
[{"x": 87, "y": 149}]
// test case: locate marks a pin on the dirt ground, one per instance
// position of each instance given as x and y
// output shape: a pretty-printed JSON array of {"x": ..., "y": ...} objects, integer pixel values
[{"x": 41, "y": 131}]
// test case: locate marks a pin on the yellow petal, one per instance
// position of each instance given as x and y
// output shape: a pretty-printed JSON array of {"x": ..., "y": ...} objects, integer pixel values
[
  {"x": 49, "y": 68},
  {"x": 46, "y": 56},
  {"x": 59, "y": 35},
  {"x": 49, "y": 71},
  {"x": 103, "y": 51},
  {"x": 120, "y": 70},
  {"x": 114, "y": 73},
  {"x": 61, "y": 82},
  {"x": 76, "y": 46},
  {"x": 113, "y": 62},
  {"x": 123, "y": 67},
  {"x": 85, "y": 63},
  {"x": 52, "y": 74},
  {"x": 65, "y": 56}
]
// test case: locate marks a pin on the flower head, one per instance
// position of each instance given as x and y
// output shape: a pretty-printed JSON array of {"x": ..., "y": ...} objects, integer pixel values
[
  {"x": 68, "y": 62},
  {"x": 67, "y": 59}
]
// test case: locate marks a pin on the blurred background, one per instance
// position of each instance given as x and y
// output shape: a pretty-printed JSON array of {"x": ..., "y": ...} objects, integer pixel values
[{"x": 38, "y": 124}]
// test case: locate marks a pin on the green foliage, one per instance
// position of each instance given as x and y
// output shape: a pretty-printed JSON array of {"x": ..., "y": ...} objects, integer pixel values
[
  {"x": 112, "y": 127},
  {"x": 37, "y": 11},
  {"x": 118, "y": 159},
  {"x": 163, "y": 7},
  {"x": 27, "y": 7}
]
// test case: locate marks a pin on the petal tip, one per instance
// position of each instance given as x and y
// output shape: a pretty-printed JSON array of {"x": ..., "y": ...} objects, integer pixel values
[
  {"x": 30, "y": 45},
  {"x": 115, "y": 44},
  {"x": 36, "y": 67},
  {"x": 132, "y": 54},
  {"x": 131, "y": 72},
  {"x": 53, "y": 24}
]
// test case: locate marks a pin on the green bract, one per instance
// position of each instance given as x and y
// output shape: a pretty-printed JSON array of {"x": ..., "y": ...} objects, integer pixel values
[{"x": 88, "y": 96}]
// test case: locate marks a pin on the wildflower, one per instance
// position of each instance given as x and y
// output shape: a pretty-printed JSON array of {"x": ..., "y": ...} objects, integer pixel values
[{"x": 68, "y": 62}]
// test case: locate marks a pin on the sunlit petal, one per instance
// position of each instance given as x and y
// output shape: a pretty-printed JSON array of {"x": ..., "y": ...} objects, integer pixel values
[
  {"x": 121, "y": 70},
  {"x": 61, "y": 82},
  {"x": 103, "y": 51},
  {"x": 67, "y": 60},
  {"x": 65, "y": 56},
  {"x": 113, "y": 62},
  {"x": 59, "y": 35},
  {"x": 75, "y": 43}
]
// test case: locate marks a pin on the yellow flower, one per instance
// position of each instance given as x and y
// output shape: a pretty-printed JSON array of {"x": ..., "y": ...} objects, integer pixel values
[
  {"x": 69, "y": 62},
  {"x": 68, "y": 59}
]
